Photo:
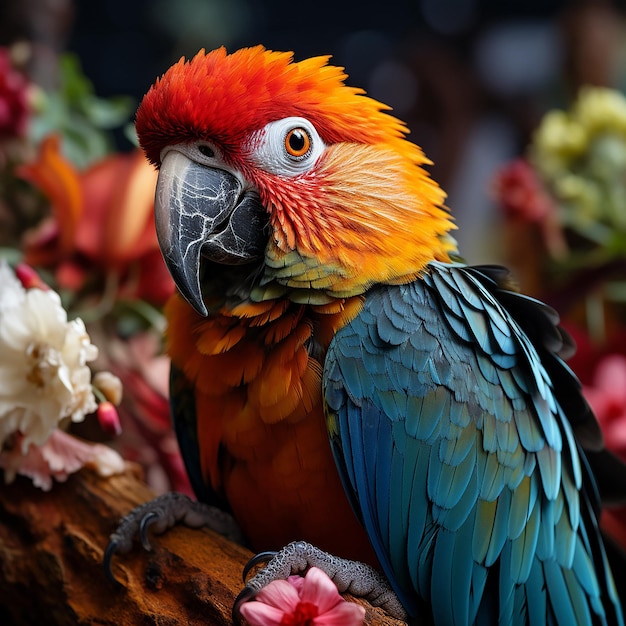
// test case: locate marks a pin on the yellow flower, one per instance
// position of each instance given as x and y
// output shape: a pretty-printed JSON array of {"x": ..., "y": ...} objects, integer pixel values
[
  {"x": 559, "y": 139},
  {"x": 580, "y": 155},
  {"x": 583, "y": 193},
  {"x": 600, "y": 110}
]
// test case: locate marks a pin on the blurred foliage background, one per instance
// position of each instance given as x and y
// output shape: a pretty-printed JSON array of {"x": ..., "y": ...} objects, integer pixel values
[{"x": 470, "y": 77}]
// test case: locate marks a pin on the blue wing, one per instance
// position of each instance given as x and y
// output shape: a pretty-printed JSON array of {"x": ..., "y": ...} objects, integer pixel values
[{"x": 446, "y": 410}]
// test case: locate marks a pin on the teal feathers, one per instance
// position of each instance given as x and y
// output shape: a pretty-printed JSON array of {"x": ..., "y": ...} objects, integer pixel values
[{"x": 448, "y": 398}]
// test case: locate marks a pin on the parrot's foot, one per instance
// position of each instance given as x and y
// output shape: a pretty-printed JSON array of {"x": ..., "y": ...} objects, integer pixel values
[
  {"x": 161, "y": 514},
  {"x": 353, "y": 577}
]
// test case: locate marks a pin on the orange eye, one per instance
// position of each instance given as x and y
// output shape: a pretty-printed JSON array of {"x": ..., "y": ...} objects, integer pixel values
[{"x": 297, "y": 142}]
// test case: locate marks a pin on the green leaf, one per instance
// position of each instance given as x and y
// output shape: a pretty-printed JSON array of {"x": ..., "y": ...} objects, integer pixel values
[
  {"x": 84, "y": 120},
  {"x": 108, "y": 114}
]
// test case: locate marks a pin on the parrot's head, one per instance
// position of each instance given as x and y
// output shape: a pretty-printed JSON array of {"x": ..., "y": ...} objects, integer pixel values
[{"x": 278, "y": 180}]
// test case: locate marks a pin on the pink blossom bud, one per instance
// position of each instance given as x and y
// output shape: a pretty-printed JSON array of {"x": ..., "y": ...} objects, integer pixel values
[
  {"x": 109, "y": 419},
  {"x": 29, "y": 277}
]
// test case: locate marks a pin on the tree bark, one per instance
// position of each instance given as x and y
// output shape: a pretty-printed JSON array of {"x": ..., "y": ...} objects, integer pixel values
[{"x": 51, "y": 549}]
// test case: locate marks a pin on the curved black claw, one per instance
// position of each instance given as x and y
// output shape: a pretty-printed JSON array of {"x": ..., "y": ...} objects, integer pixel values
[
  {"x": 110, "y": 550},
  {"x": 144, "y": 525},
  {"x": 261, "y": 557},
  {"x": 245, "y": 595},
  {"x": 248, "y": 593}
]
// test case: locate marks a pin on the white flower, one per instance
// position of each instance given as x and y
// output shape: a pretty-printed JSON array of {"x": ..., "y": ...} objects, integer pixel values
[{"x": 44, "y": 377}]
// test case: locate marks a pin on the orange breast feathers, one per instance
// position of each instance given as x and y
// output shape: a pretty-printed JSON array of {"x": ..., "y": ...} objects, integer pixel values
[{"x": 261, "y": 429}]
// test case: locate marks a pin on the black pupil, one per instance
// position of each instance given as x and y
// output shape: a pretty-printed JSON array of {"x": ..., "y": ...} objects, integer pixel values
[
  {"x": 206, "y": 150},
  {"x": 297, "y": 140}
]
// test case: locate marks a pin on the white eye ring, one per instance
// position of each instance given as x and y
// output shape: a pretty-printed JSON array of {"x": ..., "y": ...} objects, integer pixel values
[{"x": 287, "y": 147}]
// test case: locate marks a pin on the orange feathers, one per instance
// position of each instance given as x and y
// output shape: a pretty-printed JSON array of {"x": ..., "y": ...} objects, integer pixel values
[
  {"x": 261, "y": 430},
  {"x": 227, "y": 96}
]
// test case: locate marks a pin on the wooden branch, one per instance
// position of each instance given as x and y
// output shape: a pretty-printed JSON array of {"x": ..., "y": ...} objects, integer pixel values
[{"x": 51, "y": 548}]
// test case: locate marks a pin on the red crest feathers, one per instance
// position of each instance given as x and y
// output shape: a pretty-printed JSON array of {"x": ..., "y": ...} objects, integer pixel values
[{"x": 224, "y": 97}]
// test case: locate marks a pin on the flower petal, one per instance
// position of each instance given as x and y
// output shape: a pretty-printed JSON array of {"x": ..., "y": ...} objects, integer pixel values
[
  {"x": 280, "y": 594},
  {"x": 60, "y": 456},
  {"x": 128, "y": 228},
  {"x": 343, "y": 614},
  {"x": 296, "y": 581},
  {"x": 260, "y": 614},
  {"x": 59, "y": 181},
  {"x": 43, "y": 362},
  {"x": 320, "y": 590}
]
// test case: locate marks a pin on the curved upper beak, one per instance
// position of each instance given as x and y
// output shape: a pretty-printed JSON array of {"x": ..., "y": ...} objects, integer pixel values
[{"x": 202, "y": 211}]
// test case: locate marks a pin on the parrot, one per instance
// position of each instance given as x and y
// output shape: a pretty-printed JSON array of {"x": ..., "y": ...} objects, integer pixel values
[{"x": 340, "y": 376}]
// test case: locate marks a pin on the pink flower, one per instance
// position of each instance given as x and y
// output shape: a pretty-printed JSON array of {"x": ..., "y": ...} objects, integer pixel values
[
  {"x": 29, "y": 277},
  {"x": 309, "y": 601},
  {"x": 57, "y": 458},
  {"x": 607, "y": 397},
  {"x": 14, "y": 108},
  {"x": 109, "y": 419}
]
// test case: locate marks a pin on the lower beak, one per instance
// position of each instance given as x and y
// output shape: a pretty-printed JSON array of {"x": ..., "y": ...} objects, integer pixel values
[{"x": 202, "y": 211}]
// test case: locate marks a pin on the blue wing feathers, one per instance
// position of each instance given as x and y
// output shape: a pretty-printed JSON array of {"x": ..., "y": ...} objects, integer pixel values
[
  {"x": 558, "y": 594},
  {"x": 453, "y": 413},
  {"x": 461, "y": 572},
  {"x": 448, "y": 483},
  {"x": 485, "y": 518},
  {"x": 460, "y": 416},
  {"x": 545, "y": 540},
  {"x": 455, "y": 449},
  {"x": 452, "y": 518},
  {"x": 577, "y": 597},
  {"x": 522, "y": 506},
  {"x": 536, "y": 597},
  {"x": 499, "y": 529},
  {"x": 491, "y": 476},
  {"x": 381, "y": 469},
  {"x": 549, "y": 462},
  {"x": 487, "y": 368},
  {"x": 443, "y": 589},
  {"x": 524, "y": 547},
  {"x": 583, "y": 568},
  {"x": 506, "y": 590}
]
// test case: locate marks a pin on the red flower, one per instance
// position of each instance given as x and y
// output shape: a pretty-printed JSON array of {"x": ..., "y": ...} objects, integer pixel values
[
  {"x": 523, "y": 198},
  {"x": 102, "y": 227},
  {"x": 309, "y": 601},
  {"x": 14, "y": 109},
  {"x": 521, "y": 193},
  {"x": 607, "y": 397}
]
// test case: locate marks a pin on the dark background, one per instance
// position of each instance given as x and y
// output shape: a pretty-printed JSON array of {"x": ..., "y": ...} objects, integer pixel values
[{"x": 472, "y": 78}]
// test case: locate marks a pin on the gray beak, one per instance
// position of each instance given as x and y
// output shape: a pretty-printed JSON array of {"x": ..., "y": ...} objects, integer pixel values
[{"x": 202, "y": 212}]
